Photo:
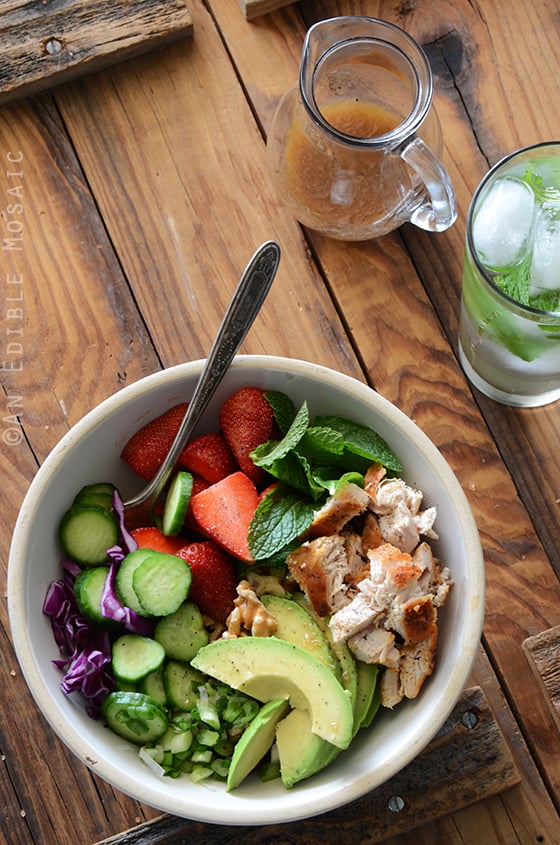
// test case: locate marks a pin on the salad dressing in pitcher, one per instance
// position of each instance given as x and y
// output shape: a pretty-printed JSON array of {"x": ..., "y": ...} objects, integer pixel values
[
  {"x": 335, "y": 190},
  {"x": 354, "y": 147}
]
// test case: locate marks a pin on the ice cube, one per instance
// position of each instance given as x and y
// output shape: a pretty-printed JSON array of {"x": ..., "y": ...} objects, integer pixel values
[
  {"x": 545, "y": 264},
  {"x": 503, "y": 224}
]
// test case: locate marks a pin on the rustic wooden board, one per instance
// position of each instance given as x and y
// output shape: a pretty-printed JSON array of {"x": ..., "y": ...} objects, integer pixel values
[
  {"x": 254, "y": 8},
  {"x": 543, "y": 653},
  {"x": 45, "y": 44},
  {"x": 467, "y": 761}
]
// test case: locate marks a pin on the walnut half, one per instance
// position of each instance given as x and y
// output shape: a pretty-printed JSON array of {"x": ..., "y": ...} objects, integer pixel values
[{"x": 249, "y": 616}]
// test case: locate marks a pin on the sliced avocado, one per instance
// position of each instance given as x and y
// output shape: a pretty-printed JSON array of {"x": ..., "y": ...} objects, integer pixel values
[
  {"x": 267, "y": 668},
  {"x": 302, "y": 753},
  {"x": 367, "y": 684},
  {"x": 255, "y": 741},
  {"x": 348, "y": 673},
  {"x": 296, "y": 625},
  {"x": 373, "y": 708}
]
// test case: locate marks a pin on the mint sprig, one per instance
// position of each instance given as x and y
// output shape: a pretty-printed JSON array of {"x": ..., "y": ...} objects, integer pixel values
[{"x": 310, "y": 462}]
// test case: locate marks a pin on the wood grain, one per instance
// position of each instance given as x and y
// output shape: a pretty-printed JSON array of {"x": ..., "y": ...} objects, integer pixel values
[
  {"x": 145, "y": 190},
  {"x": 44, "y": 44},
  {"x": 144, "y": 127},
  {"x": 70, "y": 286}
]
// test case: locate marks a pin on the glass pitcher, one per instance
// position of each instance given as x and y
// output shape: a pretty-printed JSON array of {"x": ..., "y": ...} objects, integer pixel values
[{"x": 354, "y": 148}]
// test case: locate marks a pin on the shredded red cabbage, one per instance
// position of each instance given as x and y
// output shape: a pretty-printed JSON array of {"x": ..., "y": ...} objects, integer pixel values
[
  {"x": 85, "y": 648},
  {"x": 128, "y": 541},
  {"x": 111, "y": 606}
]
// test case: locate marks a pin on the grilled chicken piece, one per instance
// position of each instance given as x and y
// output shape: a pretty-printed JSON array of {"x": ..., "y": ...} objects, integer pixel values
[
  {"x": 375, "y": 645},
  {"x": 390, "y": 688},
  {"x": 380, "y": 585},
  {"x": 348, "y": 501},
  {"x": 401, "y": 521},
  {"x": 373, "y": 477},
  {"x": 371, "y": 533},
  {"x": 319, "y": 567}
]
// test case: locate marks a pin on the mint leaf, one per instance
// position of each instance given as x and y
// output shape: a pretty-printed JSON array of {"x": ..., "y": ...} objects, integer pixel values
[
  {"x": 361, "y": 442},
  {"x": 324, "y": 478},
  {"x": 281, "y": 517},
  {"x": 282, "y": 407},
  {"x": 294, "y": 470},
  {"x": 268, "y": 453},
  {"x": 321, "y": 446}
]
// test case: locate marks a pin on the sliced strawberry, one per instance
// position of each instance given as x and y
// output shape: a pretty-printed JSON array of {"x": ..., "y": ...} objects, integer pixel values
[
  {"x": 224, "y": 511},
  {"x": 210, "y": 456},
  {"x": 199, "y": 484},
  {"x": 247, "y": 420},
  {"x": 145, "y": 451},
  {"x": 152, "y": 538},
  {"x": 267, "y": 490},
  {"x": 213, "y": 586}
]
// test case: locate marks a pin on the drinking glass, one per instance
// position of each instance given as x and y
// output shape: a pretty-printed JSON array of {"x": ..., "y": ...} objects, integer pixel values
[{"x": 509, "y": 328}]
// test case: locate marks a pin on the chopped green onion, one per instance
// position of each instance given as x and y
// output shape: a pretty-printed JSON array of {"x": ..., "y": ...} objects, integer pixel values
[
  {"x": 220, "y": 767},
  {"x": 200, "y": 773},
  {"x": 206, "y": 709},
  {"x": 206, "y": 737},
  {"x": 202, "y": 756}
]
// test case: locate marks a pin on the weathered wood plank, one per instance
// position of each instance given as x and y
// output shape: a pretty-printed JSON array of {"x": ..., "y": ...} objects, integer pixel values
[
  {"x": 543, "y": 653},
  {"x": 467, "y": 761},
  {"x": 254, "y": 8},
  {"x": 46, "y": 43}
]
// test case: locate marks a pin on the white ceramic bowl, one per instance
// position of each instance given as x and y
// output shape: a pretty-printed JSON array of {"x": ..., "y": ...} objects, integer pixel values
[{"x": 90, "y": 453}]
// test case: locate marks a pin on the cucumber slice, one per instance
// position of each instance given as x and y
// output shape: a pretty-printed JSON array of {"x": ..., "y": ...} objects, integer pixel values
[
  {"x": 86, "y": 533},
  {"x": 177, "y": 503},
  {"x": 88, "y": 589},
  {"x": 134, "y": 716},
  {"x": 161, "y": 583},
  {"x": 152, "y": 685},
  {"x": 182, "y": 633},
  {"x": 100, "y": 494},
  {"x": 135, "y": 656},
  {"x": 181, "y": 684},
  {"x": 123, "y": 579}
]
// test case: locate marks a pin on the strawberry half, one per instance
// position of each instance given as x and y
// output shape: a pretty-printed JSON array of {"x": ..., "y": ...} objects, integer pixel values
[
  {"x": 209, "y": 456},
  {"x": 214, "y": 579},
  {"x": 154, "y": 539},
  {"x": 224, "y": 512},
  {"x": 145, "y": 451},
  {"x": 247, "y": 420}
]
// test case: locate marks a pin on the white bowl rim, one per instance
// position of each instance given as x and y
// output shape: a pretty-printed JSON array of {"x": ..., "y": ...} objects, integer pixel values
[{"x": 242, "y": 812}]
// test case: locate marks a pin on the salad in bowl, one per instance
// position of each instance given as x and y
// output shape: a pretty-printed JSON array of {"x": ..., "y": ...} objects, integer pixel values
[{"x": 286, "y": 629}]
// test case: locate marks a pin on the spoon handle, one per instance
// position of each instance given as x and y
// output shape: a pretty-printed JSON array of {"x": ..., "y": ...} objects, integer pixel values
[{"x": 244, "y": 306}]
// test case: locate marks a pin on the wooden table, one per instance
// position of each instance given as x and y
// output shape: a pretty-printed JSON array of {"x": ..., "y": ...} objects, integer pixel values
[{"x": 131, "y": 200}]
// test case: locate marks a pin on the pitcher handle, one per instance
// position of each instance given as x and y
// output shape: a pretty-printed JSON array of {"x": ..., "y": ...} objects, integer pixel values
[{"x": 438, "y": 209}]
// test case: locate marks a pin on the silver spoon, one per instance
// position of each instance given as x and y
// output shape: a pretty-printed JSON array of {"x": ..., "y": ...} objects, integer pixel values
[{"x": 244, "y": 306}]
